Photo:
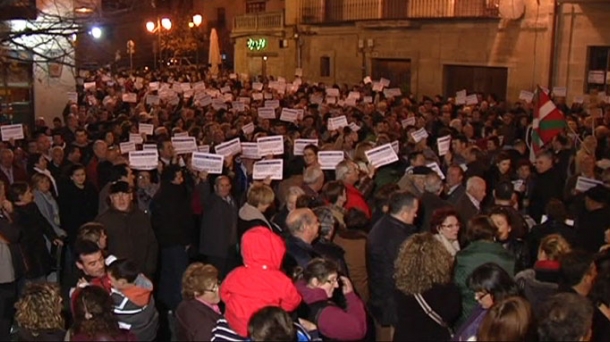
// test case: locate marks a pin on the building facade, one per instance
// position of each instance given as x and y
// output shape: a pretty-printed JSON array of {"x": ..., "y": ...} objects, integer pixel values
[{"x": 430, "y": 47}]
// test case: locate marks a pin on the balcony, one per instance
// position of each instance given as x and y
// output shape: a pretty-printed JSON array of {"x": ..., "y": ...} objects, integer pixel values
[
  {"x": 258, "y": 22},
  {"x": 337, "y": 11}
]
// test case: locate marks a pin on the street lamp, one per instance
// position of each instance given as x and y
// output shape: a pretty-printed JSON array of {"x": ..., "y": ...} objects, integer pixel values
[
  {"x": 96, "y": 32},
  {"x": 164, "y": 23},
  {"x": 197, "y": 20}
]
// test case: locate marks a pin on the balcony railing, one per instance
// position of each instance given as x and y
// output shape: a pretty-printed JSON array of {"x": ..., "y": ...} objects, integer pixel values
[
  {"x": 259, "y": 22},
  {"x": 334, "y": 11}
]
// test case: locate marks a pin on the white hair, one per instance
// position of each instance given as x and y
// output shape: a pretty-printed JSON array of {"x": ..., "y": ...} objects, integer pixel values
[{"x": 312, "y": 175}]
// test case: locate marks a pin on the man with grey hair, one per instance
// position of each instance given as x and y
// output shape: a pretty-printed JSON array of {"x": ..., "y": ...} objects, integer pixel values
[
  {"x": 218, "y": 233},
  {"x": 430, "y": 200},
  {"x": 313, "y": 181},
  {"x": 469, "y": 205},
  {"x": 349, "y": 173},
  {"x": 303, "y": 227}
]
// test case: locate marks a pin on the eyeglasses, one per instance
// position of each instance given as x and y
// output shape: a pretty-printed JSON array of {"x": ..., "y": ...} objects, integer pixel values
[
  {"x": 332, "y": 281},
  {"x": 479, "y": 297},
  {"x": 214, "y": 289}
]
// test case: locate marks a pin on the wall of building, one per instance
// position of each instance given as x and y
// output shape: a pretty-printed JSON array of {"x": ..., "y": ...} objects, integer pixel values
[{"x": 580, "y": 27}]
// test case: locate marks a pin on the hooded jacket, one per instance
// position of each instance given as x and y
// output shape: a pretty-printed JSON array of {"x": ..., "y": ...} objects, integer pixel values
[
  {"x": 135, "y": 309},
  {"x": 259, "y": 283}
]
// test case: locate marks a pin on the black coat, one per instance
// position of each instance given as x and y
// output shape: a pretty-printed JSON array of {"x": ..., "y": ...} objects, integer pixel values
[
  {"x": 218, "y": 223},
  {"x": 537, "y": 233},
  {"x": 172, "y": 216},
  {"x": 591, "y": 226},
  {"x": 466, "y": 209},
  {"x": 34, "y": 229},
  {"x": 12, "y": 233},
  {"x": 76, "y": 207},
  {"x": 546, "y": 186},
  {"x": 428, "y": 204},
  {"x": 413, "y": 324},
  {"x": 195, "y": 321},
  {"x": 382, "y": 245},
  {"x": 130, "y": 236}
]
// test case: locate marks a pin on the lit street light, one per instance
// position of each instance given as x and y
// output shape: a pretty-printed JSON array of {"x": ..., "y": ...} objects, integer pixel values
[
  {"x": 197, "y": 19},
  {"x": 166, "y": 23},
  {"x": 96, "y": 32}
]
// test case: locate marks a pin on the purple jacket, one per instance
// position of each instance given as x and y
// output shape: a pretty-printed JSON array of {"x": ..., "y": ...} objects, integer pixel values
[
  {"x": 334, "y": 322},
  {"x": 471, "y": 326}
]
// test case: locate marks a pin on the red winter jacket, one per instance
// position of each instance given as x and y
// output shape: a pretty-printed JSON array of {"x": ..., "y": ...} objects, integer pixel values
[
  {"x": 260, "y": 282},
  {"x": 356, "y": 200}
]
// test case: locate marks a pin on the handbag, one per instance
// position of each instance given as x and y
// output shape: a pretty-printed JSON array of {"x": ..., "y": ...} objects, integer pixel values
[{"x": 431, "y": 313}]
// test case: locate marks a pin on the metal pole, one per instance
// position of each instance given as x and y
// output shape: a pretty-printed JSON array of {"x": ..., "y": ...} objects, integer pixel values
[{"x": 159, "y": 39}]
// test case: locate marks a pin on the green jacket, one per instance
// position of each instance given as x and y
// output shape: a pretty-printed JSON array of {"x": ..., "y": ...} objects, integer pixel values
[{"x": 471, "y": 257}]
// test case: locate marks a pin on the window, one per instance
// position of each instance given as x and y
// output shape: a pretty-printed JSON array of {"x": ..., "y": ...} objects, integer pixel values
[
  {"x": 324, "y": 66},
  {"x": 598, "y": 68},
  {"x": 221, "y": 17},
  {"x": 255, "y": 6}
]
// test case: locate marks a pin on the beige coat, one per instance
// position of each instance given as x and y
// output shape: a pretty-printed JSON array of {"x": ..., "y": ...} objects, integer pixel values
[{"x": 354, "y": 243}]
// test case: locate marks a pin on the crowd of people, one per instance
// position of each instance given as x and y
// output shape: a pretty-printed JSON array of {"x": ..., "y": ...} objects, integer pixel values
[{"x": 477, "y": 240}]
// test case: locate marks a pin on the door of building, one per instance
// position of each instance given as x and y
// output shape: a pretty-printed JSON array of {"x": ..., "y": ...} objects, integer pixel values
[
  {"x": 480, "y": 79},
  {"x": 398, "y": 71}
]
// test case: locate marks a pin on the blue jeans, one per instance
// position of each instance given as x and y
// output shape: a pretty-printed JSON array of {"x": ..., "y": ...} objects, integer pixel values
[{"x": 174, "y": 261}]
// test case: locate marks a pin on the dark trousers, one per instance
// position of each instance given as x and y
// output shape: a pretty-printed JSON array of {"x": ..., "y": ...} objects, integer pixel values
[
  {"x": 174, "y": 261},
  {"x": 8, "y": 296},
  {"x": 224, "y": 265}
]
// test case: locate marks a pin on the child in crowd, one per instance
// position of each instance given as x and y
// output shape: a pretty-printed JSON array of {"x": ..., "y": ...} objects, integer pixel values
[{"x": 132, "y": 299}]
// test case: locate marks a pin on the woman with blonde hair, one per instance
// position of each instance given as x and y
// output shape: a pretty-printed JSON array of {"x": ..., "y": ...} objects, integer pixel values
[
  {"x": 427, "y": 301},
  {"x": 541, "y": 281},
  {"x": 39, "y": 313},
  {"x": 252, "y": 214},
  {"x": 198, "y": 312},
  {"x": 508, "y": 320}
]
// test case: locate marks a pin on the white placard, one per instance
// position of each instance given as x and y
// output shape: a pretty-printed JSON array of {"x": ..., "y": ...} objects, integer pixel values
[
  {"x": 333, "y": 92},
  {"x": 367, "y": 99},
  {"x": 249, "y": 150},
  {"x": 199, "y": 86},
  {"x": 396, "y": 146},
  {"x": 354, "y": 95},
  {"x": 212, "y": 163},
  {"x": 382, "y": 155},
  {"x": 238, "y": 106},
  {"x": 152, "y": 99},
  {"x": 337, "y": 123},
  {"x": 144, "y": 160},
  {"x": 350, "y": 102},
  {"x": 233, "y": 76},
  {"x": 443, "y": 144},
  {"x": 244, "y": 100},
  {"x": 248, "y": 128},
  {"x": 72, "y": 96},
  {"x": 367, "y": 80},
  {"x": 419, "y": 135},
  {"x": 460, "y": 97},
  {"x": 298, "y": 72},
  {"x": 434, "y": 166},
  {"x": 266, "y": 113},
  {"x": 184, "y": 86},
  {"x": 257, "y": 96},
  {"x": 136, "y": 138},
  {"x": 384, "y": 82},
  {"x": 184, "y": 145},
  {"x": 392, "y": 92},
  {"x": 144, "y": 128},
  {"x": 289, "y": 115},
  {"x": 410, "y": 121},
  {"x": 354, "y": 127},
  {"x": 526, "y": 96},
  {"x": 377, "y": 86},
  {"x": 149, "y": 146},
  {"x": 257, "y": 86},
  {"x": 300, "y": 144},
  {"x": 560, "y": 91},
  {"x": 517, "y": 185},
  {"x": 14, "y": 132},
  {"x": 273, "y": 145},
  {"x": 273, "y": 168},
  {"x": 204, "y": 101},
  {"x": 226, "y": 89},
  {"x": 130, "y": 97},
  {"x": 328, "y": 160},
  {"x": 203, "y": 148},
  {"x": 152, "y": 86},
  {"x": 272, "y": 103},
  {"x": 181, "y": 134},
  {"x": 127, "y": 147},
  {"x": 583, "y": 183},
  {"x": 89, "y": 85},
  {"x": 229, "y": 148},
  {"x": 472, "y": 99}
]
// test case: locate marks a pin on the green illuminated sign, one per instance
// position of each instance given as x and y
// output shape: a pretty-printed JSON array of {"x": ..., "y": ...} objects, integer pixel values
[{"x": 257, "y": 44}]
